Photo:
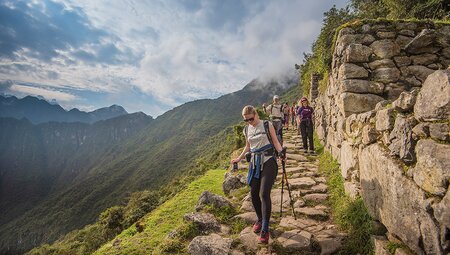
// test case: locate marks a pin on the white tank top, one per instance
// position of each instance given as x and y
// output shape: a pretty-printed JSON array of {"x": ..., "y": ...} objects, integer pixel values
[{"x": 257, "y": 137}]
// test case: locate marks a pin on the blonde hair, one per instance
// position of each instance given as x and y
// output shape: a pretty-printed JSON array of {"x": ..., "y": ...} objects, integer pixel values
[{"x": 248, "y": 109}]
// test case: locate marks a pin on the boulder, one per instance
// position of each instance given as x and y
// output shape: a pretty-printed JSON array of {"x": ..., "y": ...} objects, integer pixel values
[
  {"x": 432, "y": 171},
  {"x": 357, "y": 53},
  {"x": 402, "y": 141},
  {"x": 424, "y": 59},
  {"x": 386, "y": 74},
  {"x": 386, "y": 34},
  {"x": 439, "y": 131},
  {"x": 386, "y": 48},
  {"x": 433, "y": 101},
  {"x": 384, "y": 119},
  {"x": 208, "y": 198},
  {"x": 361, "y": 86},
  {"x": 406, "y": 100},
  {"x": 212, "y": 244},
  {"x": 380, "y": 245},
  {"x": 396, "y": 201},
  {"x": 393, "y": 90},
  {"x": 442, "y": 214},
  {"x": 420, "y": 72},
  {"x": 295, "y": 239},
  {"x": 402, "y": 40},
  {"x": 402, "y": 61},
  {"x": 381, "y": 63},
  {"x": 232, "y": 182},
  {"x": 248, "y": 217},
  {"x": 423, "y": 39},
  {"x": 350, "y": 103},
  {"x": 369, "y": 134},
  {"x": 349, "y": 159},
  {"x": 329, "y": 245},
  {"x": 350, "y": 71},
  {"x": 205, "y": 222},
  {"x": 407, "y": 32}
]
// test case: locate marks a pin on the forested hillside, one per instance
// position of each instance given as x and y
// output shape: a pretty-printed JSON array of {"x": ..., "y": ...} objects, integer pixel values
[{"x": 166, "y": 149}]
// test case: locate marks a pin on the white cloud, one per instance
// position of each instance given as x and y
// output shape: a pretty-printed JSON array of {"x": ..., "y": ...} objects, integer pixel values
[
  {"x": 46, "y": 93},
  {"x": 189, "y": 49}
]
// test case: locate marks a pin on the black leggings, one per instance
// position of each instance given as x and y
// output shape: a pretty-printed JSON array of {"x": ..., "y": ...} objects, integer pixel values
[
  {"x": 260, "y": 192},
  {"x": 307, "y": 129}
]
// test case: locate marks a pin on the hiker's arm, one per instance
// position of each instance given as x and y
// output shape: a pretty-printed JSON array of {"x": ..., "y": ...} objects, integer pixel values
[
  {"x": 275, "y": 141},
  {"x": 242, "y": 155}
]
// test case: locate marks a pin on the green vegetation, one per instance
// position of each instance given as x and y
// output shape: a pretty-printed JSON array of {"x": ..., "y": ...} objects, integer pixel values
[
  {"x": 350, "y": 214},
  {"x": 360, "y": 12},
  {"x": 164, "y": 219},
  {"x": 166, "y": 155}
]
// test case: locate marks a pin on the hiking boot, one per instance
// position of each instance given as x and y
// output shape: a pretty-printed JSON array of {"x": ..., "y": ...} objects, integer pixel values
[
  {"x": 305, "y": 150},
  {"x": 312, "y": 152},
  {"x": 257, "y": 227},
  {"x": 264, "y": 237}
]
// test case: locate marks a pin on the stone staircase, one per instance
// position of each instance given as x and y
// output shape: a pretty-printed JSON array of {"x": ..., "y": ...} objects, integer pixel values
[{"x": 312, "y": 232}]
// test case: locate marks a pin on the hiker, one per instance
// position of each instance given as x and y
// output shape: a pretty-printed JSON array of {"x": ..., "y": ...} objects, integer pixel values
[
  {"x": 286, "y": 113},
  {"x": 305, "y": 115},
  {"x": 261, "y": 141},
  {"x": 293, "y": 115},
  {"x": 275, "y": 111}
]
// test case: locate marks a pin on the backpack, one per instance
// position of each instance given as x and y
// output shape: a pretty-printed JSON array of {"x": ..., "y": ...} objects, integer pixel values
[
  {"x": 266, "y": 129},
  {"x": 281, "y": 108}
]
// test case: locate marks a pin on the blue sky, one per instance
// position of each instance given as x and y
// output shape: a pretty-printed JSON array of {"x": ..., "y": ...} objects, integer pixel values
[{"x": 149, "y": 56}]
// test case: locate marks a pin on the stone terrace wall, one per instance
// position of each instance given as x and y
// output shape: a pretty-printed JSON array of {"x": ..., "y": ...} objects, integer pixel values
[{"x": 385, "y": 117}]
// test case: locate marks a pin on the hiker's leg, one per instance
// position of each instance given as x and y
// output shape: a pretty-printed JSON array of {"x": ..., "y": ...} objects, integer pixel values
[
  {"x": 311, "y": 135},
  {"x": 268, "y": 176},
  {"x": 304, "y": 135},
  {"x": 256, "y": 200}
]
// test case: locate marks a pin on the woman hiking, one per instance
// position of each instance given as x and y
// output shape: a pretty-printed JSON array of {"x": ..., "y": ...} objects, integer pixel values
[
  {"x": 305, "y": 117},
  {"x": 261, "y": 142}
]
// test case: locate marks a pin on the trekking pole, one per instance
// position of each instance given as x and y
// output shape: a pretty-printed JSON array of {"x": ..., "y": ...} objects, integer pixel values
[
  {"x": 291, "y": 202},
  {"x": 282, "y": 191}
]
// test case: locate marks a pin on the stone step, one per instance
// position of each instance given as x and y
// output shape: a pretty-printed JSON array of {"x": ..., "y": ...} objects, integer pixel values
[
  {"x": 302, "y": 182},
  {"x": 295, "y": 240},
  {"x": 250, "y": 239},
  {"x": 300, "y": 223},
  {"x": 316, "y": 197},
  {"x": 312, "y": 212}
]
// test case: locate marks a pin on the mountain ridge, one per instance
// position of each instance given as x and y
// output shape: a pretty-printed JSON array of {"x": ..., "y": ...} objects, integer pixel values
[
  {"x": 167, "y": 148},
  {"x": 38, "y": 110}
]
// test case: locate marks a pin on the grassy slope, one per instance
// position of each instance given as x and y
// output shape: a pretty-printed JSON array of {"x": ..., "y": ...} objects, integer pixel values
[{"x": 165, "y": 218}]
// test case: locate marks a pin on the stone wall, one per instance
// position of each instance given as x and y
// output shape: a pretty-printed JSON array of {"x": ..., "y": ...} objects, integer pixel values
[{"x": 385, "y": 117}]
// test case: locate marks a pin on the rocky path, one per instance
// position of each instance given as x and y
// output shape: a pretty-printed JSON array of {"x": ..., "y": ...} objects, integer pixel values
[{"x": 313, "y": 232}]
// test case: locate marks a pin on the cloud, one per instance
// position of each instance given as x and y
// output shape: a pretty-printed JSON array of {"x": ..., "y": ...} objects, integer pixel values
[
  {"x": 153, "y": 54},
  {"x": 46, "y": 93}
]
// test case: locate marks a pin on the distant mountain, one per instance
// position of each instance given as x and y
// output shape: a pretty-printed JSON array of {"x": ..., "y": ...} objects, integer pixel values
[
  {"x": 38, "y": 110},
  {"x": 166, "y": 148}
]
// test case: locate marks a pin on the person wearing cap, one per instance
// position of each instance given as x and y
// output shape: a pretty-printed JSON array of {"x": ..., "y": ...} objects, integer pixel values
[
  {"x": 275, "y": 111},
  {"x": 305, "y": 115}
]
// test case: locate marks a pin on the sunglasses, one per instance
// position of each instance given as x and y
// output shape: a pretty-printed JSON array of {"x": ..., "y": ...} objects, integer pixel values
[{"x": 249, "y": 119}]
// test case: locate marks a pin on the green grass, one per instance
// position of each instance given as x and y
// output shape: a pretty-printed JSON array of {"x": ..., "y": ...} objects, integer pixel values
[
  {"x": 165, "y": 218},
  {"x": 350, "y": 214}
]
